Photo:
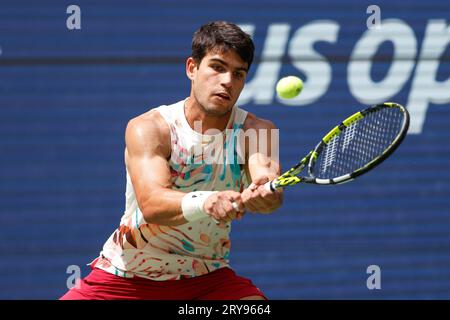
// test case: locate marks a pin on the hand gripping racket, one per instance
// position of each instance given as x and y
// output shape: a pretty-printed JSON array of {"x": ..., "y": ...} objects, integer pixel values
[{"x": 357, "y": 145}]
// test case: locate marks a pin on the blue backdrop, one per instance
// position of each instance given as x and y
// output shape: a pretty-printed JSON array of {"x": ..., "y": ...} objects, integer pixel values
[{"x": 66, "y": 96}]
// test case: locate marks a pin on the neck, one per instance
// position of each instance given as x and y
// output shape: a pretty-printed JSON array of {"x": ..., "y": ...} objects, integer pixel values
[{"x": 194, "y": 112}]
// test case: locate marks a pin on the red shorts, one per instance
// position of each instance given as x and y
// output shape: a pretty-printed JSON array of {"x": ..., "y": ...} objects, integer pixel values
[{"x": 221, "y": 284}]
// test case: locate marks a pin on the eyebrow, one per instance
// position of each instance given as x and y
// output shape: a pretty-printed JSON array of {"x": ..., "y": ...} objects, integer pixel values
[{"x": 226, "y": 64}]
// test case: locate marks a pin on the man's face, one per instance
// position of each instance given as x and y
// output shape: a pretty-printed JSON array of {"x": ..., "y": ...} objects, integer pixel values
[{"x": 218, "y": 81}]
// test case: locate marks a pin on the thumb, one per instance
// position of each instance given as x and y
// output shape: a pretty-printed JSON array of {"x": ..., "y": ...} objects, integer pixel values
[{"x": 258, "y": 182}]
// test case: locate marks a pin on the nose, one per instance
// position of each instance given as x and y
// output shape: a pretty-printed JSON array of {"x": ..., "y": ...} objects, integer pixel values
[{"x": 226, "y": 79}]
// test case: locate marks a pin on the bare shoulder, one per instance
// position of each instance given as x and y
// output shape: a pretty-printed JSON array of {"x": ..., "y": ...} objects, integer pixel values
[
  {"x": 148, "y": 132},
  {"x": 253, "y": 122}
]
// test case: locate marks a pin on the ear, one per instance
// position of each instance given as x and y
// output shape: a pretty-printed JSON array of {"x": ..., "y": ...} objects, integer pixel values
[{"x": 191, "y": 68}]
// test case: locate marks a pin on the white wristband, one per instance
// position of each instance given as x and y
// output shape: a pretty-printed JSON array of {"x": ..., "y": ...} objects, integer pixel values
[{"x": 192, "y": 205}]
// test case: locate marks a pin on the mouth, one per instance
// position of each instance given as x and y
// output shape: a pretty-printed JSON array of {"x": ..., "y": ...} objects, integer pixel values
[{"x": 223, "y": 95}]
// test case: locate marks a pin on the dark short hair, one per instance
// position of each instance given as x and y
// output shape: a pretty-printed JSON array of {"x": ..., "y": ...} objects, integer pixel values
[{"x": 222, "y": 36}]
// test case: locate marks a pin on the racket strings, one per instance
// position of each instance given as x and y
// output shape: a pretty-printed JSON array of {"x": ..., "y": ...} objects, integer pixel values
[
  {"x": 330, "y": 154},
  {"x": 359, "y": 143},
  {"x": 349, "y": 134}
]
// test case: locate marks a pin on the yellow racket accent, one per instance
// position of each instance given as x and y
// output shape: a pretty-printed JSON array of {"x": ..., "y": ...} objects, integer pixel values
[
  {"x": 352, "y": 119},
  {"x": 333, "y": 133}
]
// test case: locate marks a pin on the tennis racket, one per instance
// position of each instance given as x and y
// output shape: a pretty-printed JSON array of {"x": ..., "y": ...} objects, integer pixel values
[{"x": 354, "y": 147}]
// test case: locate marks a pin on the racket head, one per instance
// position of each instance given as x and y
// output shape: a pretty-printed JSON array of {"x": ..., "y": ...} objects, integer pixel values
[{"x": 358, "y": 144}]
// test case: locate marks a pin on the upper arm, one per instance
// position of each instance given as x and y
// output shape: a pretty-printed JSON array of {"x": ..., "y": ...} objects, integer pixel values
[
  {"x": 147, "y": 141},
  {"x": 262, "y": 153}
]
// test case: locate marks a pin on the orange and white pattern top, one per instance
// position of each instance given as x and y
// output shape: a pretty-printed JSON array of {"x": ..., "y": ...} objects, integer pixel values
[{"x": 197, "y": 162}]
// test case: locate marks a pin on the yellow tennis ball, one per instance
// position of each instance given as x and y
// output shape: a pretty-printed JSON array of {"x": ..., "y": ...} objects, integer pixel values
[{"x": 289, "y": 87}]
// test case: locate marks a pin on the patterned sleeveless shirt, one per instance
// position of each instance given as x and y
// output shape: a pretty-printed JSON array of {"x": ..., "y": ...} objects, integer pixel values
[{"x": 197, "y": 162}]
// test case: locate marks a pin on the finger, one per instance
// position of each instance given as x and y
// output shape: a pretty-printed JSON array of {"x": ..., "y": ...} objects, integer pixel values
[
  {"x": 247, "y": 200},
  {"x": 261, "y": 203},
  {"x": 252, "y": 187},
  {"x": 215, "y": 216},
  {"x": 251, "y": 207},
  {"x": 229, "y": 210},
  {"x": 234, "y": 197},
  {"x": 221, "y": 211},
  {"x": 258, "y": 203},
  {"x": 240, "y": 215},
  {"x": 236, "y": 202},
  {"x": 258, "y": 181},
  {"x": 265, "y": 194},
  {"x": 245, "y": 195},
  {"x": 268, "y": 193},
  {"x": 225, "y": 210},
  {"x": 238, "y": 207},
  {"x": 215, "y": 220}
]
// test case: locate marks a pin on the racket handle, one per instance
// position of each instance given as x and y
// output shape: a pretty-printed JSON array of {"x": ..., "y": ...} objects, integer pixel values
[{"x": 269, "y": 186}]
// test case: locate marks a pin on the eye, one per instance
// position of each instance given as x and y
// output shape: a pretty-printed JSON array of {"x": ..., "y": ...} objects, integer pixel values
[
  {"x": 217, "y": 67},
  {"x": 239, "y": 74}
]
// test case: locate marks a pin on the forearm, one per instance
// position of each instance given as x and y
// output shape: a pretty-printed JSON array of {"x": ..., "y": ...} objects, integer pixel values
[
  {"x": 163, "y": 206},
  {"x": 171, "y": 208}
]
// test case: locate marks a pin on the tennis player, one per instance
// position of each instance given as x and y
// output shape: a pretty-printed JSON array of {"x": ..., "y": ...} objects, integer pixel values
[{"x": 189, "y": 174}]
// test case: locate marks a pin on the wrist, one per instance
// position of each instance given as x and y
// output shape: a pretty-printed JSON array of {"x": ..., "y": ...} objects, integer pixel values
[{"x": 192, "y": 205}]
